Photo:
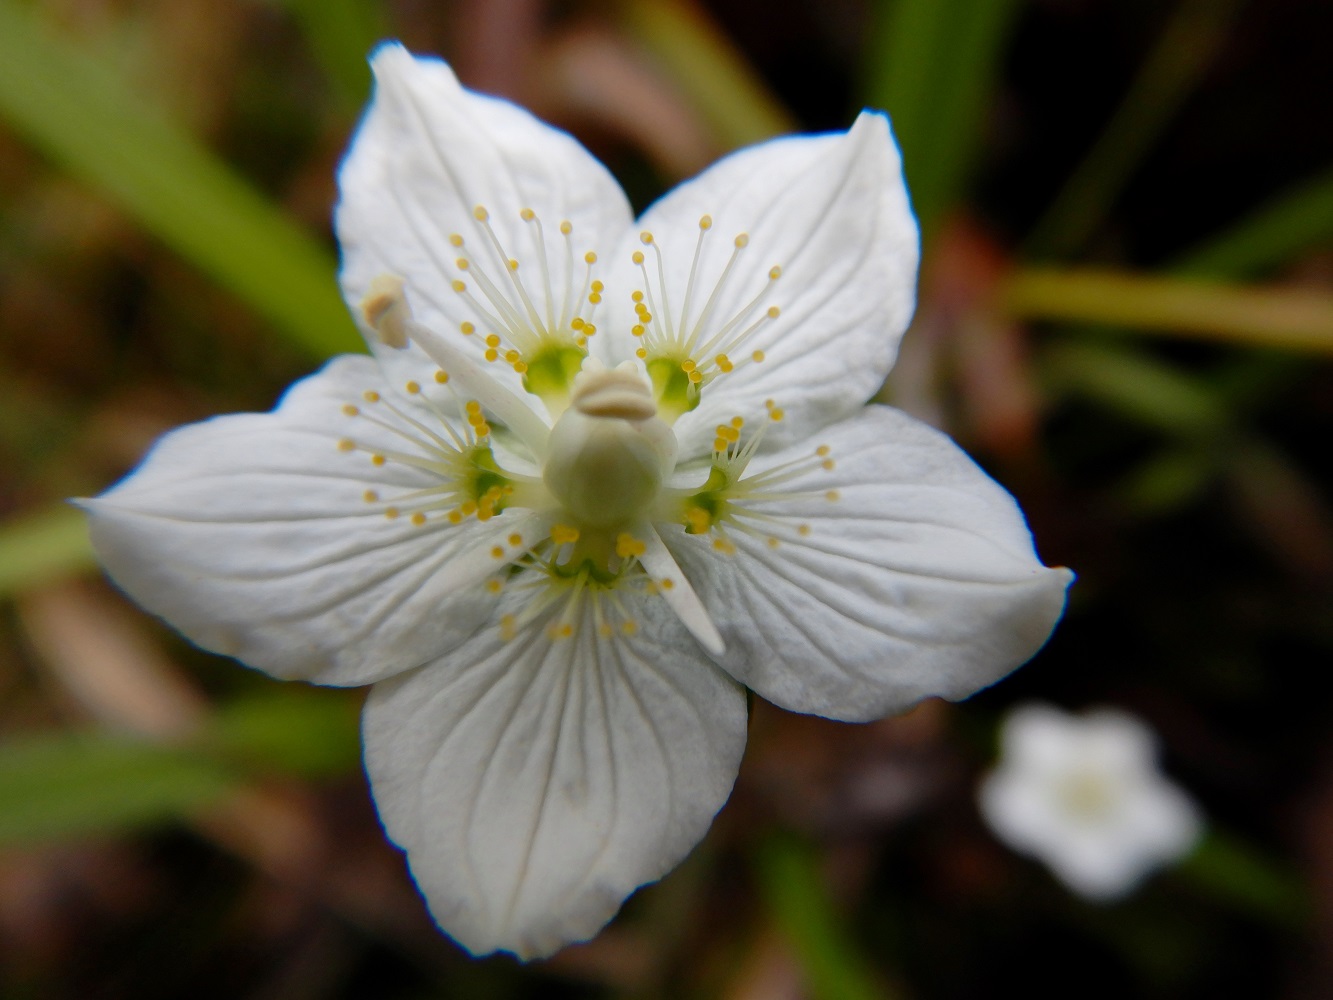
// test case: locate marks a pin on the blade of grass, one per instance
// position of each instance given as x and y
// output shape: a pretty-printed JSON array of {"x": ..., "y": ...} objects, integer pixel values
[
  {"x": 790, "y": 881},
  {"x": 84, "y": 117},
  {"x": 341, "y": 34},
  {"x": 1183, "y": 53},
  {"x": 1269, "y": 237},
  {"x": 709, "y": 70},
  {"x": 1261, "y": 317},
  {"x": 932, "y": 66},
  {"x": 38, "y": 548}
]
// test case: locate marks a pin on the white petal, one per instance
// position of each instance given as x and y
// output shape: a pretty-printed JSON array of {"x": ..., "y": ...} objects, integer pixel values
[
  {"x": 534, "y": 784},
  {"x": 919, "y": 580},
  {"x": 427, "y": 153},
  {"x": 253, "y": 536},
  {"x": 832, "y": 212}
]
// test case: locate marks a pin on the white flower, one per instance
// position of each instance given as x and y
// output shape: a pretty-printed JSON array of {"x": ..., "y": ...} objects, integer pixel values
[
  {"x": 599, "y": 478},
  {"x": 1084, "y": 794}
]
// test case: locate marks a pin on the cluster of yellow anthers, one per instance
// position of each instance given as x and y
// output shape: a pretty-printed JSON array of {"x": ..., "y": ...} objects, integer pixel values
[
  {"x": 701, "y": 360},
  {"x": 518, "y": 328}
]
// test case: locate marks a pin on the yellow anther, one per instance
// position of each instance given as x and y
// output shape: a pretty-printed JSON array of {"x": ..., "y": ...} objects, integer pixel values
[
  {"x": 642, "y": 352},
  {"x": 371, "y": 396},
  {"x": 827, "y": 464},
  {"x": 516, "y": 539},
  {"x": 719, "y": 444},
  {"x": 566, "y": 228},
  {"x": 370, "y": 496},
  {"x": 699, "y": 519},
  {"x": 629, "y": 627},
  {"x": 637, "y": 256},
  {"x": 724, "y": 545},
  {"x": 494, "y": 586},
  {"x": 590, "y": 257},
  {"x": 468, "y": 507},
  {"x": 758, "y": 356},
  {"x": 346, "y": 445},
  {"x": 377, "y": 459},
  {"x": 637, "y": 330},
  {"x": 511, "y": 356},
  {"x": 597, "y": 286},
  {"x": 527, "y": 214},
  {"x": 776, "y": 414},
  {"x": 513, "y": 264},
  {"x": 520, "y": 366},
  {"x": 743, "y": 240},
  {"x": 418, "y": 519},
  {"x": 773, "y": 543},
  {"x": 627, "y": 545},
  {"x": 577, "y": 323},
  {"x": 637, "y": 296},
  {"x": 508, "y": 628},
  {"x": 492, "y": 354},
  {"x": 723, "y": 363},
  {"x": 589, "y": 329},
  {"x": 645, "y": 237},
  {"x": 442, "y": 376},
  {"x": 774, "y": 272},
  {"x": 774, "y": 312},
  {"x": 492, "y": 340},
  {"x": 498, "y": 552},
  {"x": 458, "y": 286},
  {"x": 480, "y": 214},
  {"x": 467, "y": 328},
  {"x": 391, "y": 513},
  {"x": 412, "y": 388},
  {"x": 803, "y": 530},
  {"x": 738, "y": 422},
  {"x": 823, "y": 450},
  {"x": 706, "y": 222},
  {"x": 605, "y": 630},
  {"x": 832, "y": 495},
  {"x": 350, "y": 410},
  {"x": 667, "y": 583},
  {"x": 455, "y": 240},
  {"x": 461, "y": 263},
  {"x": 688, "y": 365},
  {"x": 595, "y": 297},
  {"x": 455, "y": 516},
  {"x": 563, "y": 534},
  {"x": 696, "y": 377},
  {"x": 472, "y": 406}
]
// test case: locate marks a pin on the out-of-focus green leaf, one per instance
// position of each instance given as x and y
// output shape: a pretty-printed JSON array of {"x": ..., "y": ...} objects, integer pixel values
[
  {"x": 1232, "y": 870},
  {"x": 75, "y": 785},
  {"x": 1269, "y": 237},
  {"x": 82, "y": 115},
  {"x": 304, "y": 731},
  {"x": 1172, "y": 70},
  {"x": 37, "y": 548},
  {"x": 932, "y": 64},
  {"x": 1261, "y": 317},
  {"x": 341, "y": 34},
  {"x": 1140, "y": 387},
  {"x": 790, "y": 881},
  {"x": 1169, "y": 480},
  {"x": 704, "y": 64}
]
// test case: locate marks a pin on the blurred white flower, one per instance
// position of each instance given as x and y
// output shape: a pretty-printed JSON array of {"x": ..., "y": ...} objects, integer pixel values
[
  {"x": 599, "y": 478},
  {"x": 1083, "y": 793}
]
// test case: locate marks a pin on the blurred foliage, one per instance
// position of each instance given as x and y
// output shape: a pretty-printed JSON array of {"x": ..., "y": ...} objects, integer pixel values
[{"x": 1122, "y": 174}]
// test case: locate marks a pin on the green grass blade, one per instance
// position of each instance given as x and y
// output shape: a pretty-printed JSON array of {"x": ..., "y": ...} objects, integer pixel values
[
  {"x": 71, "y": 785},
  {"x": 790, "y": 881},
  {"x": 725, "y": 90},
  {"x": 38, "y": 548},
  {"x": 341, "y": 34},
  {"x": 84, "y": 117},
  {"x": 932, "y": 64},
  {"x": 1268, "y": 238},
  {"x": 1169, "y": 75}
]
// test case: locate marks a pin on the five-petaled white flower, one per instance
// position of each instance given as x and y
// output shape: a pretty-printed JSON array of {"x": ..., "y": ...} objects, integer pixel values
[
  {"x": 1084, "y": 794},
  {"x": 598, "y": 479}
]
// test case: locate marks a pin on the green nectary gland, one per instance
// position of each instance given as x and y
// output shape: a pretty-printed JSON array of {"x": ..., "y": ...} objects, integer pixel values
[
  {"x": 712, "y": 500},
  {"x": 485, "y": 476},
  {"x": 551, "y": 370},
  {"x": 672, "y": 388}
]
